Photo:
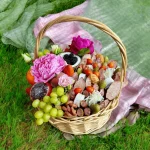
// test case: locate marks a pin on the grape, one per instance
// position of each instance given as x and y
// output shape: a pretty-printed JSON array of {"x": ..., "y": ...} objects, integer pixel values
[
  {"x": 40, "y": 54},
  {"x": 53, "y": 94},
  {"x": 46, "y": 117},
  {"x": 60, "y": 113},
  {"x": 79, "y": 71},
  {"x": 38, "y": 114},
  {"x": 54, "y": 90},
  {"x": 106, "y": 59},
  {"x": 53, "y": 100},
  {"x": 53, "y": 112},
  {"x": 60, "y": 91},
  {"x": 58, "y": 106},
  {"x": 46, "y": 51},
  {"x": 102, "y": 84},
  {"x": 58, "y": 103},
  {"x": 35, "y": 103},
  {"x": 47, "y": 108},
  {"x": 69, "y": 87},
  {"x": 46, "y": 99},
  {"x": 64, "y": 99},
  {"x": 39, "y": 121},
  {"x": 42, "y": 104}
]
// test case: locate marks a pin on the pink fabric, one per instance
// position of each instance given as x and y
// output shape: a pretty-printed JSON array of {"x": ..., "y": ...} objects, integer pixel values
[
  {"x": 136, "y": 92},
  {"x": 138, "y": 89},
  {"x": 63, "y": 33}
]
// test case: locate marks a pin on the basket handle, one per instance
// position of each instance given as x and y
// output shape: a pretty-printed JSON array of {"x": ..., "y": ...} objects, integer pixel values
[{"x": 95, "y": 23}]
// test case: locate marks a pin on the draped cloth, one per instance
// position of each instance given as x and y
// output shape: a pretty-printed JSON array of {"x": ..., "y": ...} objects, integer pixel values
[{"x": 138, "y": 89}]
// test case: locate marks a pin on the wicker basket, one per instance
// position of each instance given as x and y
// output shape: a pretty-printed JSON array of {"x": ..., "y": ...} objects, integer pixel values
[{"x": 86, "y": 125}]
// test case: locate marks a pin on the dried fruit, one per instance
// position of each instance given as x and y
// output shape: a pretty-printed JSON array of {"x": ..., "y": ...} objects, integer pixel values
[
  {"x": 69, "y": 70},
  {"x": 103, "y": 67},
  {"x": 30, "y": 77},
  {"x": 77, "y": 90},
  {"x": 95, "y": 65},
  {"x": 111, "y": 64},
  {"x": 54, "y": 82},
  {"x": 97, "y": 73},
  {"x": 90, "y": 89},
  {"x": 94, "y": 78},
  {"x": 89, "y": 62},
  {"x": 28, "y": 90},
  {"x": 87, "y": 72},
  {"x": 101, "y": 57}
]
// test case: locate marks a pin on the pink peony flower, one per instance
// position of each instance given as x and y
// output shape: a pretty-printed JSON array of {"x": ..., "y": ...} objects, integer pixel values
[
  {"x": 79, "y": 43},
  {"x": 46, "y": 67},
  {"x": 65, "y": 80}
]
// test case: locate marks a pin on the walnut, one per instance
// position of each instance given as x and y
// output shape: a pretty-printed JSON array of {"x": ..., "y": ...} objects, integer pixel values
[{"x": 94, "y": 78}]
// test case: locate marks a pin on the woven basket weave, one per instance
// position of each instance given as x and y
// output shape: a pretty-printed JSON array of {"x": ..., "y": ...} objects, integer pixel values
[{"x": 88, "y": 124}]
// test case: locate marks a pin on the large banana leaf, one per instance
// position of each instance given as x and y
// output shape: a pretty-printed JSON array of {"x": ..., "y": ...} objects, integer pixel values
[{"x": 130, "y": 19}]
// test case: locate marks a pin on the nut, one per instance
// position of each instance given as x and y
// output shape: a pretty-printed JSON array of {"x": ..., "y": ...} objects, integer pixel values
[
  {"x": 63, "y": 108},
  {"x": 94, "y": 78},
  {"x": 70, "y": 103},
  {"x": 68, "y": 108},
  {"x": 73, "y": 111},
  {"x": 67, "y": 114},
  {"x": 74, "y": 105}
]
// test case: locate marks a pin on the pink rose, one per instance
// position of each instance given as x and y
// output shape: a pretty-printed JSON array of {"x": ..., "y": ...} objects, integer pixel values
[
  {"x": 46, "y": 67},
  {"x": 65, "y": 80},
  {"x": 79, "y": 43}
]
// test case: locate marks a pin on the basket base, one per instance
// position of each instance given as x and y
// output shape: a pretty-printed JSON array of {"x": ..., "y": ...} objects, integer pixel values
[{"x": 81, "y": 128}]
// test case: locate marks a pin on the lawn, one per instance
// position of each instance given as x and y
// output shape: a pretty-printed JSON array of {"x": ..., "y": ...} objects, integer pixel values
[{"x": 17, "y": 124}]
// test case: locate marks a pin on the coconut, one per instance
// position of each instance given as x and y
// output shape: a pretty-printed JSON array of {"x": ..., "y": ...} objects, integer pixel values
[{"x": 75, "y": 56}]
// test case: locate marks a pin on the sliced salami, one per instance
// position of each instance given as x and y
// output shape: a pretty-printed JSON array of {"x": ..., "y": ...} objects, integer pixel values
[
  {"x": 113, "y": 90},
  {"x": 86, "y": 93},
  {"x": 96, "y": 87},
  {"x": 88, "y": 81},
  {"x": 75, "y": 76},
  {"x": 80, "y": 84},
  {"x": 101, "y": 74}
]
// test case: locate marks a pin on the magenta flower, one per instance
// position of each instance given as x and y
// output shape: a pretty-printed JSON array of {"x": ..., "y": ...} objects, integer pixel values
[
  {"x": 46, "y": 67},
  {"x": 79, "y": 43}
]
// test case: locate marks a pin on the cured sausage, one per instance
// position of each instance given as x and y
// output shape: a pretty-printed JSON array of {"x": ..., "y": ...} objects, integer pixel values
[{"x": 113, "y": 90}]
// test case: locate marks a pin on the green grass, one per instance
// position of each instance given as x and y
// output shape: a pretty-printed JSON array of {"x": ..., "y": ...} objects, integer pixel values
[{"x": 17, "y": 125}]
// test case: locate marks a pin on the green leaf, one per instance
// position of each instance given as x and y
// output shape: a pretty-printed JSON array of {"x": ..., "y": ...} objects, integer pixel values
[{"x": 83, "y": 51}]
